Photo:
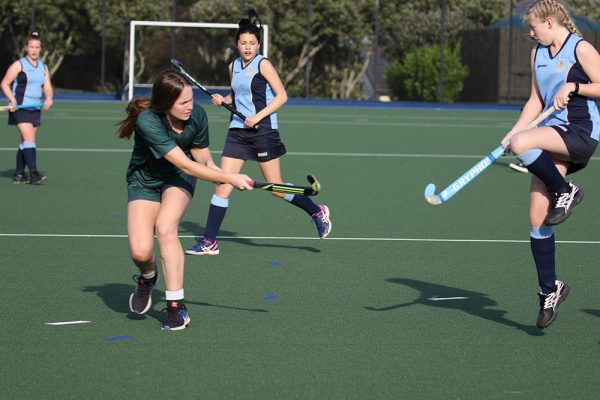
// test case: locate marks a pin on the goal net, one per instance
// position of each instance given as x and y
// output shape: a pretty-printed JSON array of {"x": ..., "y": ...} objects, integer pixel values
[{"x": 204, "y": 48}]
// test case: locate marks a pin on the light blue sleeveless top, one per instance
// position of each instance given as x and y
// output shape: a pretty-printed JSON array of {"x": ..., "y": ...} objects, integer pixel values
[
  {"x": 251, "y": 93},
  {"x": 27, "y": 88},
  {"x": 552, "y": 73}
]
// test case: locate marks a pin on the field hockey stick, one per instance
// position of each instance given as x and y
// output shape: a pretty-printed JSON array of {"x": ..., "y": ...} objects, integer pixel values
[
  {"x": 312, "y": 190},
  {"x": 475, "y": 170},
  {"x": 179, "y": 68},
  {"x": 21, "y": 106}
]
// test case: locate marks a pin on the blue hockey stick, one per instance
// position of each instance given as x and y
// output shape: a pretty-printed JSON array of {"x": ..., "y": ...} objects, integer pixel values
[
  {"x": 34, "y": 105},
  {"x": 474, "y": 171}
]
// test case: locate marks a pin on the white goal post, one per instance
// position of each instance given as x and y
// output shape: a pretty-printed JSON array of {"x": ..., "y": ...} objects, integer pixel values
[{"x": 134, "y": 24}]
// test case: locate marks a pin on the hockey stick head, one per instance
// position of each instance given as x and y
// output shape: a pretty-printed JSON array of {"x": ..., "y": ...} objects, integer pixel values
[
  {"x": 430, "y": 195},
  {"x": 177, "y": 64},
  {"x": 314, "y": 184}
]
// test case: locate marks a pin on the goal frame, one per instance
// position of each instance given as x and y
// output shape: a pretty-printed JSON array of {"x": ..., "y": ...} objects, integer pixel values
[{"x": 171, "y": 24}]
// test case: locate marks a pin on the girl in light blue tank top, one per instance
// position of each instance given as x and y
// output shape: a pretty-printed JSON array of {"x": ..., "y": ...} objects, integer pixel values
[
  {"x": 257, "y": 93},
  {"x": 566, "y": 77},
  {"x": 27, "y": 86}
]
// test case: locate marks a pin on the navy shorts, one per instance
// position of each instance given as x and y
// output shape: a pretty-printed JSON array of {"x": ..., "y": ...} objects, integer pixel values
[
  {"x": 579, "y": 143},
  {"x": 138, "y": 191},
  {"x": 21, "y": 116},
  {"x": 258, "y": 145}
]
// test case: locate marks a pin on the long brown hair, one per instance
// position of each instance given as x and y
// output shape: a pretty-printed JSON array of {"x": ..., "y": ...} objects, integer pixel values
[
  {"x": 551, "y": 8},
  {"x": 166, "y": 89}
]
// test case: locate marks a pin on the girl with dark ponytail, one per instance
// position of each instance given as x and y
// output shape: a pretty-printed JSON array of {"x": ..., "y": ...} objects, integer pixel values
[{"x": 257, "y": 92}]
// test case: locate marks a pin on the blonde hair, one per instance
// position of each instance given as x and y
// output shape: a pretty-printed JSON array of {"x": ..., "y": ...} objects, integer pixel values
[{"x": 543, "y": 9}]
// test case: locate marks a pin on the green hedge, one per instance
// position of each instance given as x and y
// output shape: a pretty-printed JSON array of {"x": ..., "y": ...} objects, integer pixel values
[{"x": 417, "y": 77}]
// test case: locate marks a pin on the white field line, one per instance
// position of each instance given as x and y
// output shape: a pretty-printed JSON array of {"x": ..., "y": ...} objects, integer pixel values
[
  {"x": 350, "y": 121},
  {"x": 67, "y": 323},
  {"x": 373, "y": 239},
  {"x": 446, "y": 298},
  {"x": 291, "y": 153}
]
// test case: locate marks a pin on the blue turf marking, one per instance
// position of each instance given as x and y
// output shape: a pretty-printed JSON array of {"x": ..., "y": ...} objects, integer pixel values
[
  {"x": 115, "y": 338},
  {"x": 270, "y": 297},
  {"x": 274, "y": 263}
]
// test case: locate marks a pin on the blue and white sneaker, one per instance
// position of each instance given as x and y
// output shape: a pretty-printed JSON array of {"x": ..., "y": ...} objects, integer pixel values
[
  {"x": 177, "y": 317},
  {"x": 322, "y": 221},
  {"x": 204, "y": 247},
  {"x": 140, "y": 300}
]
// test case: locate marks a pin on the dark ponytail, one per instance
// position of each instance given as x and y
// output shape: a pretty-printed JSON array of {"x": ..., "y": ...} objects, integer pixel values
[
  {"x": 33, "y": 36},
  {"x": 250, "y": 24}
]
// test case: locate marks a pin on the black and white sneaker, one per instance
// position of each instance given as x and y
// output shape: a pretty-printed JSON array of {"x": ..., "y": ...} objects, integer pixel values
[
  {"x": 140, "y": 300},
  {"x": 20, "y": 177},
  {"x": 549, "y": 304},
  {"x": 177, "y": 317},
  {"x": 37, "y": 177},
  {"x": 562, "y": 205}
]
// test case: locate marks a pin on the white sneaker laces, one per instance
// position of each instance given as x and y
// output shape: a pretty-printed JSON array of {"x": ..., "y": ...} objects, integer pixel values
[
  {"x": 565, "y": 199},
  {"x": 551, "y": 300}
]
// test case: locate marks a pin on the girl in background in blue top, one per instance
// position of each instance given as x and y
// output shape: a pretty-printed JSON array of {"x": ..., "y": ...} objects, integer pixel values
[
  {"x": 566, "y": 76},
  {"x": 29, "y": 77},
  {"x": 256, "y": 92}
]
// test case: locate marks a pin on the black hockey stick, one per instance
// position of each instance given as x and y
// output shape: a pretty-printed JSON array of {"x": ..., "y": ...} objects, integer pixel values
[
  {"x": 179, "y": 68},
  {"x": 312, "y": 190}
]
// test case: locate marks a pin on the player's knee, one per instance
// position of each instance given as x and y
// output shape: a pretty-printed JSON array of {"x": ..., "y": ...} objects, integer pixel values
[
  {"x": 224, "y": 190},
  {"x": 518, "y": 146},
  {"x": 141, "y": 255},
  {"x": 165, "y": 232}
]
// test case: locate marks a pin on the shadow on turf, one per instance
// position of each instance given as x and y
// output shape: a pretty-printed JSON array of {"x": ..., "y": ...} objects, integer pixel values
[
  {"x": 194, "y": 229},
  {"x": 595, "y": 313},
  {"x": 7, "y": 174},
  {"x": 116, "y": 297},
  {"x": 476, "y": 304}
]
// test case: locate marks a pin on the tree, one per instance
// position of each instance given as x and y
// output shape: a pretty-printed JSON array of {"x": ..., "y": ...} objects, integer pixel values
[
  {"x": 406, "y": 25},
  {"x": 337, "y": 44}
]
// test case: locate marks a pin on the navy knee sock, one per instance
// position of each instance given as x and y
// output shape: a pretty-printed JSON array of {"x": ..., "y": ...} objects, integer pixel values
[
  {"x": 29, "y": 154},
  {"x": 539, "y": 163},
  {"x": 303, "y": 202},
  {"x": 543, "y": 251},
  {"x": 216, "y": 215},
  {"x": 20, "y": 161}
]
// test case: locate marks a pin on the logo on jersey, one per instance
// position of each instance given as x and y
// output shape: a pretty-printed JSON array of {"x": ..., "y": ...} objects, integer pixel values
[
  {"x": 541, "y": 65},
  {"x": 266, "y": 153},
  {"x": 561, "y": 66},
  {"x": 249, "y": 71}
]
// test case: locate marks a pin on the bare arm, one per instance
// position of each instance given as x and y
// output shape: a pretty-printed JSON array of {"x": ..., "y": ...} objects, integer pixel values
[
  {"x": 203, "y": 156},
  {"x": 268, "y": 71},
  {"x": 217, "y": 99},
  {"x": 48, "y": 92},
  {"x": 178, "y": 158},
  {"x": 9, "y": 77}
]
